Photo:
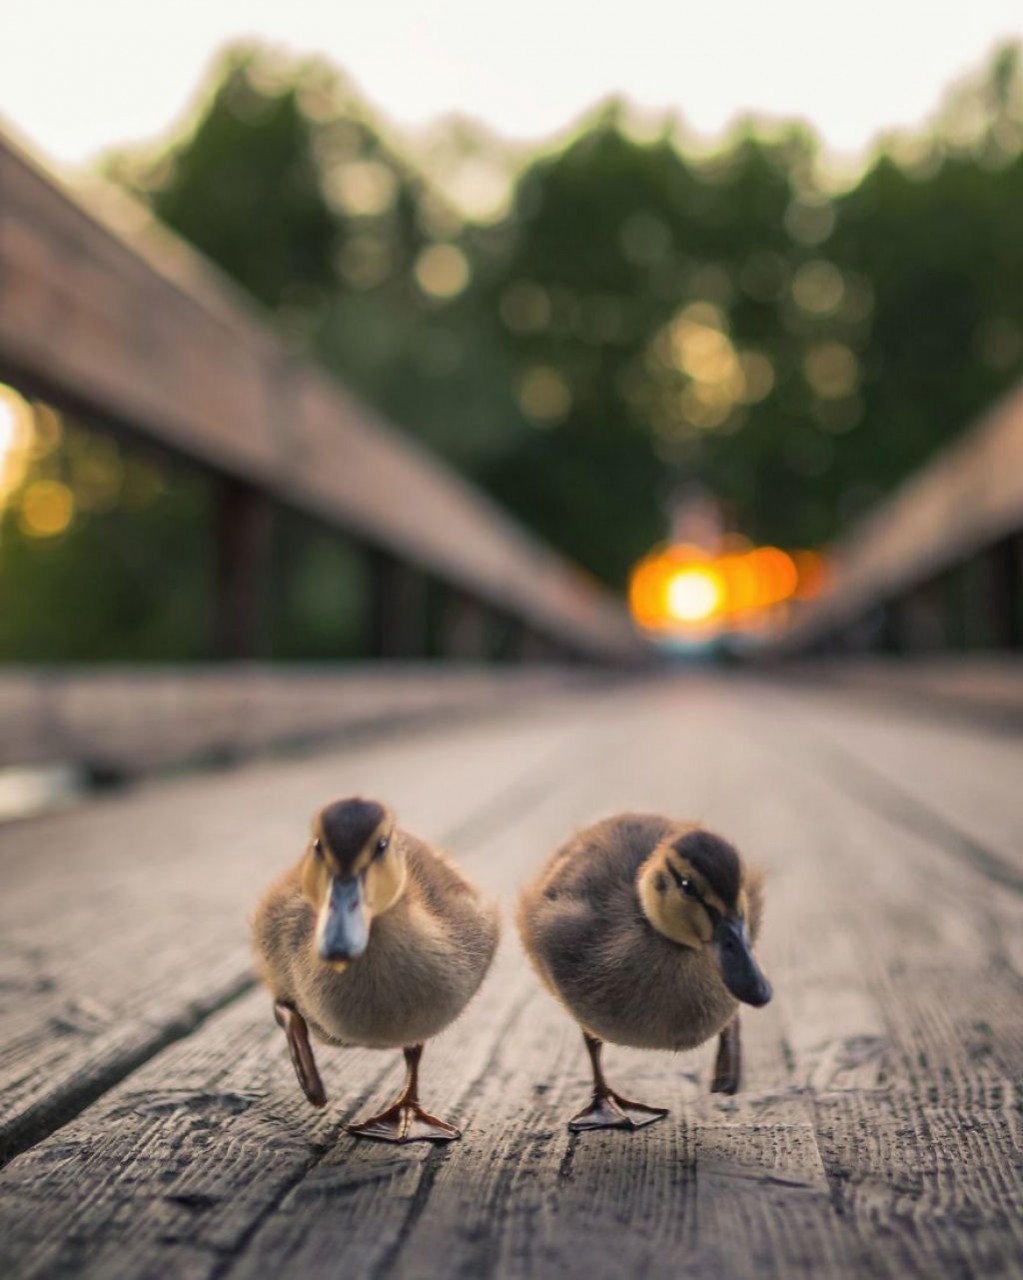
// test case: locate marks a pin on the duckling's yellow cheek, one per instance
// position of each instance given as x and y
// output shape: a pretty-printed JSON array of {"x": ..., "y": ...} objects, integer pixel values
[
  {"x": 699, "y": 923},
  {"x": 384, "y": 883}
]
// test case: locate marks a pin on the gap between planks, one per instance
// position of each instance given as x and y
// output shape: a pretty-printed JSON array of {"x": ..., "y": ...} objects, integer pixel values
[
  {"x": 155, "y": 1024},
  {"x": 842, "y": 1161}
]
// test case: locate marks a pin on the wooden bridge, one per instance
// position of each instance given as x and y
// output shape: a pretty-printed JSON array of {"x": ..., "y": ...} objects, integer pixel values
[
  {"x": 150, "y": 1124},
  {"x": 161, "y": 1132}
]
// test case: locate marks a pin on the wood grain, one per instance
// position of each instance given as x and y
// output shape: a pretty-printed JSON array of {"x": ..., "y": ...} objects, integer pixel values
[
  {"x": 127, "y": 721},
  {"x": 959, "y": 774},
  {"x": 123, "y": 923},
  {"x": 877, "y": 1132}
]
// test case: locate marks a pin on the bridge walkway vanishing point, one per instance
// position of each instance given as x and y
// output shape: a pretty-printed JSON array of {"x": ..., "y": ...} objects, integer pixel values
[{"x": 153, "y": 1127}]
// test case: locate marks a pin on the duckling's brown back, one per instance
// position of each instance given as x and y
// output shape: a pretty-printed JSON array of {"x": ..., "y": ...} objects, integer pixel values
[{"x": 585, "y": 894}]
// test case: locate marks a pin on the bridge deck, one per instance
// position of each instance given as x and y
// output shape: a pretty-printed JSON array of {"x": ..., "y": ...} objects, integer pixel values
[{"x": 153, "y": 1126}]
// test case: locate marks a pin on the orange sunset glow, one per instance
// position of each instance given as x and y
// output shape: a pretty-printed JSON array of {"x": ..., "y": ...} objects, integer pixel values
[{"x": 681, "y": 592}]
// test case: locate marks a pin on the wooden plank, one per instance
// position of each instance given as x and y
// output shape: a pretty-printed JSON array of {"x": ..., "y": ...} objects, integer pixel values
[
  {"x": 166, "y": 1116},
  {"x": 685, "y": 1196},
  {"x": 849, "y": 1045},
  {"x": 453, "y": 1211},
  {"x": 925, "y": 768},
  {"x": 149, "y": 896},
  {"x": 939, "y": 949},
  {"x": 129, "y": 327},
  {"x": 877, "y": 1133},
  {"x": 984, "y": 687},
  {"x": 131, "y": 720}
]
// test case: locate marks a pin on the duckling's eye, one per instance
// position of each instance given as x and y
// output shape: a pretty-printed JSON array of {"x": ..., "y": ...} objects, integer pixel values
[
  {"x": 381, "y": 848},
  {"x": 318, "y": 849},
  {"x": 687, "y": 887}
]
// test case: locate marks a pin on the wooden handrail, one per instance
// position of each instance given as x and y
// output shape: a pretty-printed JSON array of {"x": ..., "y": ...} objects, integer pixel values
[
  {"x": 138, "y": 333},
  {"x": 967, "y": 499}
]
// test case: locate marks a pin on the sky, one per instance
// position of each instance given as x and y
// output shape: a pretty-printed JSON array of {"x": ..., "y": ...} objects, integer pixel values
[{"x": 80, "y": 76}]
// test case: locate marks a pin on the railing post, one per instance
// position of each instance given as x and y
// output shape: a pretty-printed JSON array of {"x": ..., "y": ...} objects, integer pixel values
[
  {"x": 463, "y": 628},
  {"x": 1006, "y": 565},
  {"x": 953, "y": 610},
  {"x": 533, "y": 646},
  {"x": 925, "y": 623},
  {"x": 892, "y": 627},
  {"x": 397, "y": 608},
  {"x": 244, "y": 523}
]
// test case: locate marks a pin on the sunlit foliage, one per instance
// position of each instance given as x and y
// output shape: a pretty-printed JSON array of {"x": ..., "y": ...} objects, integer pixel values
[{"x": 635, "y": 315}]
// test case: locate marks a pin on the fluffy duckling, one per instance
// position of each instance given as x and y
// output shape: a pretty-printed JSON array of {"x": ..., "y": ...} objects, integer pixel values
[
  {"x": 642, "y": 928},
  {"x": 373, "y": 939}
]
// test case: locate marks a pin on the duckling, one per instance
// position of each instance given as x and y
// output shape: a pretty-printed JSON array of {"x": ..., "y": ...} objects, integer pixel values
[
  {"x": 373, "y": 938},
  {"x": 642, "y": 928}
]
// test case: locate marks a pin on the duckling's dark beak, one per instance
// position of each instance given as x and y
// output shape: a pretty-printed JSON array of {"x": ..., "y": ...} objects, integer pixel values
[
  {"x": 345, "y": 932},
  {"x": 743, "y": 976}
]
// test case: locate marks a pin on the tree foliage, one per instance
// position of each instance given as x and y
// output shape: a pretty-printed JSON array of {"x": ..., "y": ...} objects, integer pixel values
[{"x": 643, "y": 314}]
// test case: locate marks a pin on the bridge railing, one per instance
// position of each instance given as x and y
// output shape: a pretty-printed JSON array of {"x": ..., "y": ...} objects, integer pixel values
[
  {"x": 139, "y": 336},
  {"x": 939, "y": 565}
]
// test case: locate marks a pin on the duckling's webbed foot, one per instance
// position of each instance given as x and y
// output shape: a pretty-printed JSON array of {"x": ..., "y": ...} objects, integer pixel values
[
  {"x": 728, "y": 1064},
  {"x": 607, "y": 1109},
  {"x": 405, "y": 1120},
  {"x": 294, "y": 1027},
  {"x": 611, "y": 1111}
]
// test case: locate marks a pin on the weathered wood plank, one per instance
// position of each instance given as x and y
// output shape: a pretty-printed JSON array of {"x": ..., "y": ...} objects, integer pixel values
[
  {"x": 123, "y": 923},
  {"x": 685, "y": 1196},
  {"x": 154, "y": 1114},
  {"x": 983, "y": 687},
  {"x": 930, "y": 934},
  {"x": 877, "y": 1133},
  {"x": 446, "y": 1223},
  {"x": 839, "y": 1038},
  {"x": 960, "y": 773},
  {"x": 127, "y": 721}
]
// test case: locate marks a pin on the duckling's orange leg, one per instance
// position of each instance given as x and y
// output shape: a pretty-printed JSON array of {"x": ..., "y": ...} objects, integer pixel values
[
  {"x": 405, "y": 1120},
  {"x": 294, "y": 1027},
  {"x": 728, "y": 1064},
  {"x": 607, "y": 1109}
]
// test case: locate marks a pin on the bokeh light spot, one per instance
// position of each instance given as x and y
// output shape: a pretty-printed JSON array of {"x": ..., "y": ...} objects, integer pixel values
[
  {"x": 680, "y": 592},
  {"x": 361, "y": 188},
  {"x": 544, "y": 395},
  {"x": 15, "y": 440},
  {"x": 442, "y": 271},
  {"x": 832, "y": 370},
  {"x": 809, "y": 221},
  {"x": 818, "y": 287},
  {"x": 757, "y": 376},
  {"x": 693, "y": 595},
  {"x": 46, "y": 508}
]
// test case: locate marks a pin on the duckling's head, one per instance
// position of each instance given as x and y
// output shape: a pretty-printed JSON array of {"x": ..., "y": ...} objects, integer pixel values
[
  {"x": 353, "y": 870},
  {"x": 691, "y": 890}
]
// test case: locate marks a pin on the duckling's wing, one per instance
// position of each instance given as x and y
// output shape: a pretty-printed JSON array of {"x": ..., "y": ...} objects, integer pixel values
[
  {"x": 600, "y": 863},
  {"x": 281, "y": 926},
  {"x": 585, "y": 898},
  {"x": 454, "y": 902}
]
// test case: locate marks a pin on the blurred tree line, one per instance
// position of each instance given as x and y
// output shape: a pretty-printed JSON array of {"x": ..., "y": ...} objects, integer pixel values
[{"x": 637, "y": 313}]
